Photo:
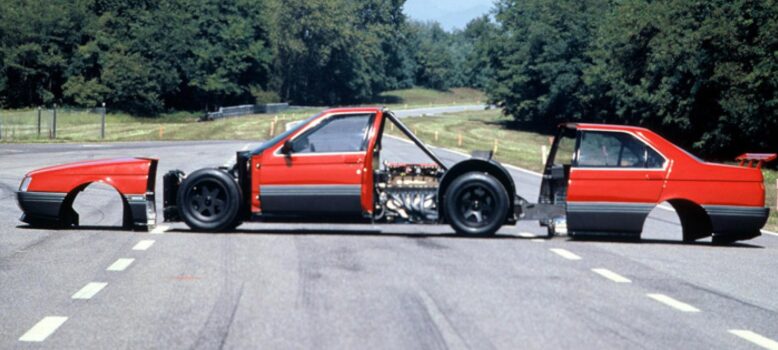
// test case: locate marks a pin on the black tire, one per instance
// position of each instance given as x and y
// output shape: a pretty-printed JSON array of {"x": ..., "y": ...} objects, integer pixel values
[
  {"x": 209, "y": 200},
  {"x": 476, "y": 204}
]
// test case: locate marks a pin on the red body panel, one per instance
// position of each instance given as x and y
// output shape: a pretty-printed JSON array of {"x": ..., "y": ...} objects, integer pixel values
[
  {"x": 683, "y": 177},
  {"x": 351, "y": 168},
  {"x": 127, "y": 175}
]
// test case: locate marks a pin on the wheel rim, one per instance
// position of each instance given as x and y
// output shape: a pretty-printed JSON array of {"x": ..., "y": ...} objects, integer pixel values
[
  {"x": 207, "y": 200},
  {"x": 476, "y": 205}
]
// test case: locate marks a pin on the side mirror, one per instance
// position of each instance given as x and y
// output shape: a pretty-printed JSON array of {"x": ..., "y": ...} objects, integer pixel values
[{"x": 287, "y": 148}]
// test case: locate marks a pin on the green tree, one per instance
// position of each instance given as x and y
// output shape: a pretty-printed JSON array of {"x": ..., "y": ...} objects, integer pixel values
[
  {"x": 478, "y": 36},
  {"x": 436, "y": 63},
  {"x": 704, "y": 73},
  {"x": 37, "y": 42},
  {"x": 539, "y": 56}
]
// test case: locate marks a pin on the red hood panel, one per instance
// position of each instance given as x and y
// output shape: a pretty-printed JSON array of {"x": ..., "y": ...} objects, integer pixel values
[
  {"x": 114, "y": 166},
  {"x": 127, "y": 175}
]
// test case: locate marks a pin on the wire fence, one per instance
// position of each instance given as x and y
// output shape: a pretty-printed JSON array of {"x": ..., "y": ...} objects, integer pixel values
[{"x": 52, "y": 123}]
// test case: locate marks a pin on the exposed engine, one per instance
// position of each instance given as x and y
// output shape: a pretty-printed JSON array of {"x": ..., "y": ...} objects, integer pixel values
[{"x": 407, "y": 192}]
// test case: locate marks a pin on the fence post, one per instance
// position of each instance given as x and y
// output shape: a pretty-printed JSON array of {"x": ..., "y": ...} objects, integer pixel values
[
  {"x": 102, "y": 125},
  {"x": 39, "y": 121},
  {"x": 54, "y": 123}
]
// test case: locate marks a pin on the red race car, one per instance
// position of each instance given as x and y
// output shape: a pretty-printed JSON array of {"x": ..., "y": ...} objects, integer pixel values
[{"x": 603, "y": 179}]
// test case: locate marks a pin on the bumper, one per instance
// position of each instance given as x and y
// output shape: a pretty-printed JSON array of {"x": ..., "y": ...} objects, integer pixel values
[
  {"x": 55, "y": 209},
  {"x": 41, "y": 208},
  {"x": 737, "y": 222}
]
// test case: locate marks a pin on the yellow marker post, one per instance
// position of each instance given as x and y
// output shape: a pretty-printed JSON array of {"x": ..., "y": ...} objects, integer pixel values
[
  {"x": 496, "y": 146},
  {"x": 272, "y": 128},
  {"x": 459, "y": 140},
  {"x": 436, "y": 136},
  {"x": 161, "y": 132}
]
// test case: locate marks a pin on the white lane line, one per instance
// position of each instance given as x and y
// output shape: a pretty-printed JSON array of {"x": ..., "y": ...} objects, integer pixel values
[
  {"x": 678, "y": 305},
  {"x": 526, "y": 171},
  {"x": 527, "y": 235},
  {"x": 160, "y": 230},
  {"x": 615, "y": 277},
  {"x": 89, "y": 290},
  {"x": 538, "y": 240},
  {"x": 120, "y": 264},
  {"x": 771, "y": 233},
  {"x": 144, "y": 244},
  {"x": 565, "y": 254},
  {"x": 43, "y": 329},
  {"x": 755, "y": 338}
]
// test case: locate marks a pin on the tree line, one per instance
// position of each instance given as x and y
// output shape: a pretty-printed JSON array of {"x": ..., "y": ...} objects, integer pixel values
[
  {"x": 704, "y": 73},
  {"x": 149, "y": 56}
]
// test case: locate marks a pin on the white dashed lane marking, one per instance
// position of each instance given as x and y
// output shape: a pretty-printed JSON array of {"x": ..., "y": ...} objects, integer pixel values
[
  {"x": 757, "y": 339},
  {"x": 160, "y": 230},
  {"x": 144, "y": 244},
  {"x": 89, "y": 290},
  {"x": 675, "y": 304},
  {"x": 615, "y": 277},
  {"x": 538, "y": 240},
  {"x": 565, "y": 254},
  {"x": 120, "y": 264},
  {"x": 527, "y": 235},
  {"x": 43, "y": 329}
]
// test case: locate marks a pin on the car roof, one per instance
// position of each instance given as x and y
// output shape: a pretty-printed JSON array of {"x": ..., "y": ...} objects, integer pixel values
[
  {"x": 354, "y": 110},
  {"x": 605, "y": 127}
]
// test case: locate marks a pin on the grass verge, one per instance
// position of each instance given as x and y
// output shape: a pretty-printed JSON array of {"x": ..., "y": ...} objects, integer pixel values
[
  {"x": 85, "y": 127},
  {"x": 416, "y": 97}
]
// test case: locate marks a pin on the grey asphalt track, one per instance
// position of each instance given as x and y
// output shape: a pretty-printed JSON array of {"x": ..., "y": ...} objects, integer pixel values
[{"x": 315, "y": 286}]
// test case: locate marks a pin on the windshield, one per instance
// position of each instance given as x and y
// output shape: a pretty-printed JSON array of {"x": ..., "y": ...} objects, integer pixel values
[{"x": 267, "y": 144}]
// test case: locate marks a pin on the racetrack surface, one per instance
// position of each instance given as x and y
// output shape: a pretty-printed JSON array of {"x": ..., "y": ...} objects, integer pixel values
[{"x": 362, "y": 286}]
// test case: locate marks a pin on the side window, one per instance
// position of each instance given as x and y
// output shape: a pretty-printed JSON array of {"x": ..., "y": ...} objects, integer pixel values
[
  {"x": 654, "y": 159},
  {"x": 615, "y": 150},
  {"x": 565, "y": 151},
  {"x": 336, "y": 134}
]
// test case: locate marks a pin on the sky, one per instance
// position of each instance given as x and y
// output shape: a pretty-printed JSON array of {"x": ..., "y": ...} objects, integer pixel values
[{"x": 452, "y": 14}]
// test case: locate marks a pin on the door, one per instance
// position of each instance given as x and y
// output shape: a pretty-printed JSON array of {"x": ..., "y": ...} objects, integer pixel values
[
  {"x": 321, "y": 171},
  {"x": 615, "y": 182}
]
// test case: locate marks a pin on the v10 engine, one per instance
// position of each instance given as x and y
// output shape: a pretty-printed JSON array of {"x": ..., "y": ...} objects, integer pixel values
[{"x": 407, "y": 193}]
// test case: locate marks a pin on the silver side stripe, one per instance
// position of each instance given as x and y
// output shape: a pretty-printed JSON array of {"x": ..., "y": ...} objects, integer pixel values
[
  {"x": 608, "y": 207},
  {"x": 731, "y": 210},
  {"x": 43, "y": 196},
  {"x": 310, "y": 190}
]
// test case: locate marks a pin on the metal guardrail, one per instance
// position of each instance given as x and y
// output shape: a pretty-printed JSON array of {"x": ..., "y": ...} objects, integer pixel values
[{"x": 237, "y": 111}]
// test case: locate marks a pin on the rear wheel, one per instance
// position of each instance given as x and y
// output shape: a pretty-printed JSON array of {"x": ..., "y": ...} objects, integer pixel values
[
  {"x": 209, "y": 200},
  {"x": 476, "y": 204}
]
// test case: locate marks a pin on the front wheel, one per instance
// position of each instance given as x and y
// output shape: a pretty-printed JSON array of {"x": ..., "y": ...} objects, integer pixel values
[
  {"x": 476, "y": 204},
  {"x": 209, "y": 200}
]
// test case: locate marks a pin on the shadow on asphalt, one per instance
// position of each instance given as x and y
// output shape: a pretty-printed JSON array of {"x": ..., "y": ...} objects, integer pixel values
[
  {"x": 335, "y": 233},
  {"x": 666, "y": 242},
  {"x": 78, "y": 228},
  {"x": 379, "y": 233}
]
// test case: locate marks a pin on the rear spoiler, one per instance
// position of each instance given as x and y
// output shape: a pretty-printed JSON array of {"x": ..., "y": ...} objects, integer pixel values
[{"x": 760, "y": 159}]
